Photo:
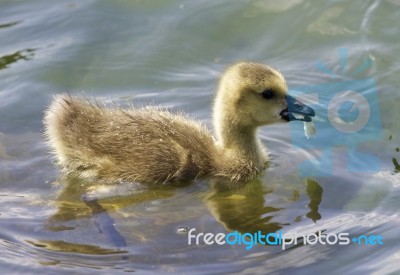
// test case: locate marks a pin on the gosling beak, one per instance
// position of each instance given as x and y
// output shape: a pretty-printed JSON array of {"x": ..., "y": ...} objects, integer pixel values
[{"x": 296, "y": 110}]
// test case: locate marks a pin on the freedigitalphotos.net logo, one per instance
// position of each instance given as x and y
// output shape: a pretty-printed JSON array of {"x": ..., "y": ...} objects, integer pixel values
[
  {"x": 249, "y": 240},
  {"x": 347, "y": 116}
]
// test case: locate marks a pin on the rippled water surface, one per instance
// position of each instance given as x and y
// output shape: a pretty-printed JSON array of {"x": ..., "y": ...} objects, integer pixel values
[{"x": 170, "y": 53}]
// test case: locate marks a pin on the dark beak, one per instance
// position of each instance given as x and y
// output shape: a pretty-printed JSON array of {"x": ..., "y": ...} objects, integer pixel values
[{"x": 297, "y": 110}]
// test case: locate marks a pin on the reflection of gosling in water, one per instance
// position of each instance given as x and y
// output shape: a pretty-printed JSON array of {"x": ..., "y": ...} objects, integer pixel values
[{"x": 152, "y": 145}]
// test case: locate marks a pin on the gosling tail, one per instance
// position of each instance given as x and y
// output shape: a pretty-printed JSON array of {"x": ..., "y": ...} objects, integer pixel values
[{"x": 56, "y": 117}]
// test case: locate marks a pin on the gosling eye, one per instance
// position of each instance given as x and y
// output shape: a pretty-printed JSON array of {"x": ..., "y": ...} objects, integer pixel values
[{"x": 268, "y": 94}]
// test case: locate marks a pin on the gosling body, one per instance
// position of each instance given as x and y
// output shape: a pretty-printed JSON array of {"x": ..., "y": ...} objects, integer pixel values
[{"x": 151, "y": 145}]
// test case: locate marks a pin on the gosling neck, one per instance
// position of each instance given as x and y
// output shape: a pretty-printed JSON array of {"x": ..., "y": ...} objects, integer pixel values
[{"x": 238, "y": 141}]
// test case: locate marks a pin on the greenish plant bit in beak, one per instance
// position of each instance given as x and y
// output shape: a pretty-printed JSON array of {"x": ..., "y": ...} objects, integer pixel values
[{"x": 309, "y": 129}]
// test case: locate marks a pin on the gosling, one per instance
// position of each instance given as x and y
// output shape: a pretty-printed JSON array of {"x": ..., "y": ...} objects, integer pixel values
[{"x": 150, "y": 145}]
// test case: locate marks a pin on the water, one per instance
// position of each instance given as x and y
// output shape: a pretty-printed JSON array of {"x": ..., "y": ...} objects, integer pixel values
[{"x": 170, "y": 54}]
